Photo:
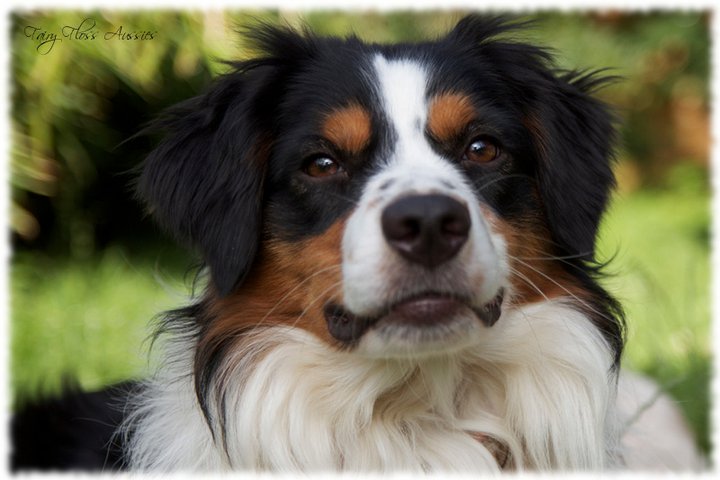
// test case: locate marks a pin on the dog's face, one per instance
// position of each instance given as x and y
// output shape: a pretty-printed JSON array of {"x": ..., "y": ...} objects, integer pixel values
[
  {"x": 422, "y": 267},
  {"x": 391, "y": 200}
]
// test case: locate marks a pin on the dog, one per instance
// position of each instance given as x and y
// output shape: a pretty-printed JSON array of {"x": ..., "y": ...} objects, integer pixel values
[{"x": 400, "y": 252}]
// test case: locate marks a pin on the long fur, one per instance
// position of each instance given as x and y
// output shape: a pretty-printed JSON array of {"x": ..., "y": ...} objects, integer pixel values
[
  {"x": 247, "y": 387},
  {"x": 289, "y": 402}
]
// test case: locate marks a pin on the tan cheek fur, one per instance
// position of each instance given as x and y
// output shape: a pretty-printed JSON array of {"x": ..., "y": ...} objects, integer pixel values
[
  {"x": 535, "y": 274},
  {"x": 290, "y": 285}
]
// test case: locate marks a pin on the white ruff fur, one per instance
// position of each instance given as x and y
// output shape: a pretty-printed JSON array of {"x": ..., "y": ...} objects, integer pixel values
[{"x": 539, "y": 381}]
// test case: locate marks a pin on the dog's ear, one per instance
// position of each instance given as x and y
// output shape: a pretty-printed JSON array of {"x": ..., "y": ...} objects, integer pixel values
[
  {"x": 204, "y": 181},
  {"x": 572, "y": 133},
  {"x": 573, "y": 136}
]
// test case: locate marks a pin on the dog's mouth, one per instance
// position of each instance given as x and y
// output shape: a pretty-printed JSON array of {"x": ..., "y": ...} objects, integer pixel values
[{"x": 426, "y": 310}]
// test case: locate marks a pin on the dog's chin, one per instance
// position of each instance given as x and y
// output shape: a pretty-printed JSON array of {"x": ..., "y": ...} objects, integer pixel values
[
  {"x": 424, "y": 325},
  {"x": 396, "y": 337}
]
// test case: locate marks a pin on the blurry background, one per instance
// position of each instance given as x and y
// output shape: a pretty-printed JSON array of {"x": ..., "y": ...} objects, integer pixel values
[{"x": 89, "y": 270}]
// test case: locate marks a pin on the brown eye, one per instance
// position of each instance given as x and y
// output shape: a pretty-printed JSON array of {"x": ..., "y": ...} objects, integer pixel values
[
  {"x": 321, "y": 167},
  {"x": 482, "y": 150}
]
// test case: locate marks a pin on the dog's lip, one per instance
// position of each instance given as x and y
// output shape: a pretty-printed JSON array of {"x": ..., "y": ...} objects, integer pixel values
[
  {"x": 420, "y": 310},
  {"x": 424, "y": 309}
]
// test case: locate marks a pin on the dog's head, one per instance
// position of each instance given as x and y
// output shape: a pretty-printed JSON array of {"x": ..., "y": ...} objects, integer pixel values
[{"x": 394, "y": 200}]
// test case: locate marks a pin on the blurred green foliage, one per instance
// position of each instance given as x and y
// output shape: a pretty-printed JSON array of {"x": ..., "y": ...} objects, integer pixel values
[
  {"x": 77, "y": 99},
  {"x": 87, "y": 319},
  {"x": 74, "y": 105},
  {"x": 82, "y": 276}
]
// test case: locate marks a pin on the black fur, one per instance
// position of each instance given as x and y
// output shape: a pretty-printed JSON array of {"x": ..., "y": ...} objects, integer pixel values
[
  {"x": 559, "y": 139},
  {"x": 76, "y": 431},
  {"x": 202, "y": 182},
  {"x": 206, "y": 184}
]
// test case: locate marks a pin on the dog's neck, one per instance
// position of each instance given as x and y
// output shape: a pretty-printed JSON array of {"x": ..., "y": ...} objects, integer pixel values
[{"x": 534, "y": 394}]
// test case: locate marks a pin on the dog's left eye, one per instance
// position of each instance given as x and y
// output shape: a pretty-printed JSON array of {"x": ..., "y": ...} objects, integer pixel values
[
  {"x": 321, "y": 166},
  {"x": 482, "y": 150}
]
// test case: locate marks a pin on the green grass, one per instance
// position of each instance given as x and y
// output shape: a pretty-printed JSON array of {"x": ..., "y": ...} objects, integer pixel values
[
  {"x": 661, "y": 274},
  {"x": 89, "y": 319},
  {"x": 86, "y": 319}
]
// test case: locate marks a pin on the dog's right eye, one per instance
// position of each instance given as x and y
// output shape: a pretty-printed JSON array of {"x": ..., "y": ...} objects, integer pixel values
[{"x": 321, "y": 166}]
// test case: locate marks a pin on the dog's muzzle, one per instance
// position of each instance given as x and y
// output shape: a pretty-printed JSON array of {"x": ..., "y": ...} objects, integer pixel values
[{"x": 421, "y": 271}]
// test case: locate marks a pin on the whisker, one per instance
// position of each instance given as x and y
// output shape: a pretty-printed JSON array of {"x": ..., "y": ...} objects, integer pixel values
[
  {"x": 343, "y": 197},
  {"x": 313, "y": 302},
  {"x": 550, "y": 241},
  {"x": 570, "y": 294},
  {"x": 554, "y": 257},
  {"x": 548, "y": 257},
  {"x": 523, "y": 277},
  {"x": 294, "y": 289},
  {"x": 527, "y": 280},
  {"x": 500, "y": 178}
]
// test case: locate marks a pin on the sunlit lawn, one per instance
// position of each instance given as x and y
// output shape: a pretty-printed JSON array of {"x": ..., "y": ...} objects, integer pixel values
[
  {"x": 662, "y": 276},
  {"x": 89, "y": 319}
]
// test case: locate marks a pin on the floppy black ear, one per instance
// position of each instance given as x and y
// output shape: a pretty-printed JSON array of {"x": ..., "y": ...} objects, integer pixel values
[
  {"x": 574, "y": 135},
  {"x": 204, "y": 180}
]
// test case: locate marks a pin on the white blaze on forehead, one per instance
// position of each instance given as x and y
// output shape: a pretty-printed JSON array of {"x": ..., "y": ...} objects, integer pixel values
[{"x": 403, "y": 85}]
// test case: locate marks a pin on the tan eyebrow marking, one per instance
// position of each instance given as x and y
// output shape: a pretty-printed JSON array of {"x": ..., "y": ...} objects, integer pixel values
[
  {"x": 349, "y": 128},
  {"x": 449, "y": 114}
]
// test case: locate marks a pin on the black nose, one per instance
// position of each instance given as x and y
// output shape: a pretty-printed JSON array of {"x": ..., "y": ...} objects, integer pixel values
[{"x": 426, "y": 229}]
